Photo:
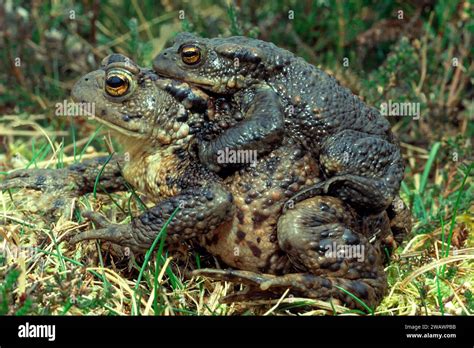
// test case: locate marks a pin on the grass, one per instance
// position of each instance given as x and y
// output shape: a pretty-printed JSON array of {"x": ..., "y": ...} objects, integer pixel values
[
  {"x": 357, "y": 299},
  {"x": 161, "y": 237},
  {"x": 96, "y": 182},
  {"x": 430, "y": 274}
]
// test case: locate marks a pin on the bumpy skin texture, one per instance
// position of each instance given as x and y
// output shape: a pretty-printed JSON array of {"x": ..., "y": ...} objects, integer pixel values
[
  {"x": 74, "y": 180},
  {"x": 240, "y": 219},
  {"x": 358, "y": 154},
  {"x": 155, "y": 143}
]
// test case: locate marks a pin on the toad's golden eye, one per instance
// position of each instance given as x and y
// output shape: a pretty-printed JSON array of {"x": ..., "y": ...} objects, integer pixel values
[
  {"x": 190, "y": 54},
  {"x": 117, "y": 84}
]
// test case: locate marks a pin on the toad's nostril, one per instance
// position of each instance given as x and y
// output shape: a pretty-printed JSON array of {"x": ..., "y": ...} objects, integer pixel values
[{"x": 86, "y": 79}]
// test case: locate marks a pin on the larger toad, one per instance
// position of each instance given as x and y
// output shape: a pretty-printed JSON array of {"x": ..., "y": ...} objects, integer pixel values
[
  {"x": 279, "y": 92},
  {"x": 308, "y": 248},
  {"x": 240, "y": 219}
]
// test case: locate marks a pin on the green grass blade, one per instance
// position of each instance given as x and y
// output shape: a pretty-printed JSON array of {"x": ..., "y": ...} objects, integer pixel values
[
  {"x": 94, "y": 191},
  {"x": 405, "y": 189},
  {"x": 455, "y": 211},
  {"x": 429, "y": 164},
  {"x": 74, "y": 143},
  {"x": 89, "y": 142},
  {"x": 43, "y": 148},
  {"x": 74, "y": 262},
  {"x": 150, "y": 251},
  {"x": 358, "y": 300}
]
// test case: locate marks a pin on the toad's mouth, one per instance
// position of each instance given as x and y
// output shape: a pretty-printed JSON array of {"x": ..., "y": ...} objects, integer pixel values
[
  {"x": 195, "y": 82},
  {"x": 120, "y": 129}
]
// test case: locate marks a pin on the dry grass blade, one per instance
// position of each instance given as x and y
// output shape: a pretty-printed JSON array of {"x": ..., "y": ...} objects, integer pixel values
[{"x": 434, "y": 265}]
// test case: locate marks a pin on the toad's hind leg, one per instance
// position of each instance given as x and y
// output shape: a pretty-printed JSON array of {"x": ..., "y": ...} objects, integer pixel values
[
  {"x": 102, "y": 174},
  {"x": 323, "y": 238}
]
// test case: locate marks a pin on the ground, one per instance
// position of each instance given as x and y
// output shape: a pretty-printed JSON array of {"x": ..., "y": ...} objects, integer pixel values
[{"x": 422, "y": 58}]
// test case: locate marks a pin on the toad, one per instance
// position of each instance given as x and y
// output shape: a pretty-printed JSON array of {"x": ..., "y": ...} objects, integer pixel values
[
  {"x": 319, "y": 247},
  {"x": 278, "y": 92}
]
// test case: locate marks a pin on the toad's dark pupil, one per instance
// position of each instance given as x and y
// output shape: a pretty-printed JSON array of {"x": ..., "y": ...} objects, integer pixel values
[
  {"x": 189, "y": 53},
  {"x": 115, "y": 82}
]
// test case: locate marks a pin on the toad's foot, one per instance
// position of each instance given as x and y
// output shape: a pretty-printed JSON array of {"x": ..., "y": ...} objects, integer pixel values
[
  {"x": 397, "y": 212},
  {"x": 359, "y": 293},
  {"x": 319, "y": 189},
  {"x": 185, "y": 216},
  {"x": 235, "y": 276},
  {"x": 331, "y": 185},
  {"x": 252, "y": 281},
  {"x": 115, "y": 233}
]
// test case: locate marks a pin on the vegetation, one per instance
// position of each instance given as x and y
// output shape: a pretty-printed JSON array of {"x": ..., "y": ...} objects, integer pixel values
[{"x": 401, "y": 51}]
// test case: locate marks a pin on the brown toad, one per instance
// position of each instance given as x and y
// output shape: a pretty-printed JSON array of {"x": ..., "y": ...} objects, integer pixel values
[
  {"x": 273, "y": 249},
  {"x": 241, "y": 219}
]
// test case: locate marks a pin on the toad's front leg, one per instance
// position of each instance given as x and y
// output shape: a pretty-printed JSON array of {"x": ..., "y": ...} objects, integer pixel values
[
  {"x": 261, "y": 130},
  {"x": 197, "y": 210}
]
